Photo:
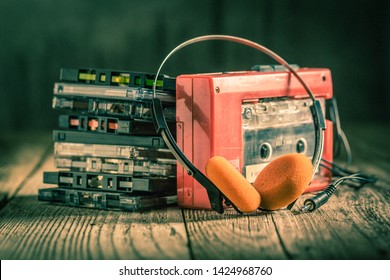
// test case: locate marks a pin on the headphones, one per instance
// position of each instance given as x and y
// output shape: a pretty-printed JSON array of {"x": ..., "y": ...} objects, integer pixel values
[{"x": 278, "y": 185}]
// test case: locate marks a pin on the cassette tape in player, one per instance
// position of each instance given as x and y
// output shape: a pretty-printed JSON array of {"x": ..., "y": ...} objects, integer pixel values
[{"x": 249, "y": 118}]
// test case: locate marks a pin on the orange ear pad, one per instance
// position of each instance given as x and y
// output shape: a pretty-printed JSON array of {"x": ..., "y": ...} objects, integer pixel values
[
  {"x": 283, "y": 180},
  {"x": 232, "y": 184}
]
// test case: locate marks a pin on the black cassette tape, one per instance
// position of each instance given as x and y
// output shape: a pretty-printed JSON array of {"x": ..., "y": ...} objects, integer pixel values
[
  {"x": 112, "y": 125},
  {"x": 63, "y": 149},
  {"x": 129, "y": 167},
  {"x": 107, "y": 139},
  {"x": 112, "y": 107},
  {"x": 109, "y": 182},
  {"x": 112, "y": 92},
  {"x": 117, "y": 78},
  {"x": 105, "y": 200}
]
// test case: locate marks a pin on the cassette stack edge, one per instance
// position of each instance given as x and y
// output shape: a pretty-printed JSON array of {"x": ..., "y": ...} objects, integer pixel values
[{"x": 106, "y": 150}]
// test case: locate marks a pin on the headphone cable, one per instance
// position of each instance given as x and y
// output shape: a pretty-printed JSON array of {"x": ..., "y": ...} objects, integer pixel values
[{"x": 355, "y": 179}]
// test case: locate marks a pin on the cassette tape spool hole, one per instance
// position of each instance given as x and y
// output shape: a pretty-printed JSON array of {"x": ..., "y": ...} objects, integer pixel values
[
  {"x": 301, "y": 146},
  {"x": 248, "y": 113},
  {"x": 265, "y": 151}
]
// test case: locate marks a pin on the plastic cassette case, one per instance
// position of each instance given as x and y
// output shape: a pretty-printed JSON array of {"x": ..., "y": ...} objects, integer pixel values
[
  {"x": 111, "y": 107},
  {"x": 111, "y": 92},
  {"x": 107, "y": 139},
  {"x": 105, "y": 200},
  {"x": 109, "y": 182},
  {"x": 116, "y": 78},
  {"x": 64, "y": 149},
  {"x": 131, "y": 167},
  {"x": 111, "y": 125},
  {"x": 249, "y": 118}
]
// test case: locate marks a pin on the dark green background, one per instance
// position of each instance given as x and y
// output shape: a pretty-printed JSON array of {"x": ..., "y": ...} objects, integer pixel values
[{"x": 40, "y": 36}]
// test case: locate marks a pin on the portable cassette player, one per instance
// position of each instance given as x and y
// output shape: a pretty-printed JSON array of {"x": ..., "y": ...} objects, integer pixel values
[{"x": 249, "y": 118}]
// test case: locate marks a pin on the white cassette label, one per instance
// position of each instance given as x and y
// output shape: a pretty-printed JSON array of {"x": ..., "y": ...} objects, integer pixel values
[{"x": 251, "y": 171}]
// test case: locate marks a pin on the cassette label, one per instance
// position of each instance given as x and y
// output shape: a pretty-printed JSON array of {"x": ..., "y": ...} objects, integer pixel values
[
  {"x": 111, "y": 92},
  {"x": 104, "y": 124},
  {"x": 117, "y": 78},
  {"x": 107, "y": 139},
  {"x": 109, "y": 182},
  {"x": 118, "y": 166},
  {"x": 105, "y": 200},
  {"x": 98, "y": 106},
  {"x": 63, "y": 149}
]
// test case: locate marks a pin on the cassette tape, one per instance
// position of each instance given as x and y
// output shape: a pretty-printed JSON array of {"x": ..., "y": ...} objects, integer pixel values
[
  {"x": 99, "y": 106},
  {"x": 105, "y": 200},
  {"x": 107, "y": 139},
  {"x": 112, "y": 125},
  {"x": 129, "y": 167},
  {"x": 112, "y": 92},
  {"x": 117, "y": 78},
  {"x": 109, "y": 182},
  {"x": 249, "y": 118},
  {"x": 274, "y": 127},
  {"x": 63, "y": 149}
]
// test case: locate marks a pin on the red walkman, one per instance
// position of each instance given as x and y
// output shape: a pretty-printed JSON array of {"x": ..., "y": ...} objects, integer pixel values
[{"x": 249, "y": 118}]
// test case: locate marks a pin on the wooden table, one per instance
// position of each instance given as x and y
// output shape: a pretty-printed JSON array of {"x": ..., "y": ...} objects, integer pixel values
[{"x": 354, "y": 224}]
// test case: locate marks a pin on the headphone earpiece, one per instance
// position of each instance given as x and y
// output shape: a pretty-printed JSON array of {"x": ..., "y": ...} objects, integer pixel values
[
  {"x": 280, "y": 183},
  {"x": 283, "y": 180},
  {"x": 232, "y": 184}
]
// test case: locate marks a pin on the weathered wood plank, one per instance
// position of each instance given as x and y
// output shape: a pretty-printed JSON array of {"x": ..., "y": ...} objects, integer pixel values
[
  {"x": 232, "y": 236},
  {"x": 30, "y": 229},
  {"x": 354, "y": 224}
]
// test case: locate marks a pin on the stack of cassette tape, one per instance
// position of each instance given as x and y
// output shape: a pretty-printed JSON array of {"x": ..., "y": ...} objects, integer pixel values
[{"x": 106, "y": 148}]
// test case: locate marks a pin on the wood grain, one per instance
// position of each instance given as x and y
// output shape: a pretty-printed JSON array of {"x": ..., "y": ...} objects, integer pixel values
[
  {"x": 354, "y": 224},
  {"x": 30, "y": 229},
  {"x": 232, "y": 236},
  {"x": 35, "y": 230}
]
